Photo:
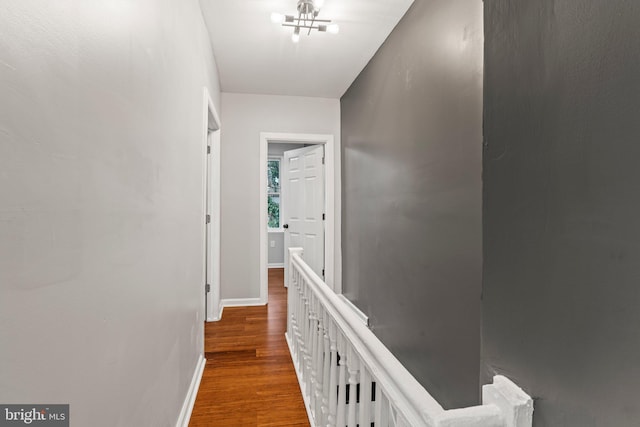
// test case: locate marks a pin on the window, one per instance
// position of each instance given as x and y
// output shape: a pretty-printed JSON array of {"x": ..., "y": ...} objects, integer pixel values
[{"x": 273, "y": 193}]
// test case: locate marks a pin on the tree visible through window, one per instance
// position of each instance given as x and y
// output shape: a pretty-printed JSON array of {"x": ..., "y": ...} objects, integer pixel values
[{"x": 273, "y": 193}]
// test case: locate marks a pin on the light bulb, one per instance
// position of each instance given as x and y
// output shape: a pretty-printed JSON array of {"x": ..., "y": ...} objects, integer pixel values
[
  {"x": 295, "y": 37},
  {"x": 277, "y": 18},
  {"x": 333, "y": 28}
]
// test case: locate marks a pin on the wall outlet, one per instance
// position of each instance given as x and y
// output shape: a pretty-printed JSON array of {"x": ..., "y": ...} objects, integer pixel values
[{"x": 272, "y": 243}]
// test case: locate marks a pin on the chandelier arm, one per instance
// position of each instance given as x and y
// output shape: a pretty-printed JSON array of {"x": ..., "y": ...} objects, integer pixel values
[
  {"x": 316, "y": 20},
  {"x": 315, "y": 27}
]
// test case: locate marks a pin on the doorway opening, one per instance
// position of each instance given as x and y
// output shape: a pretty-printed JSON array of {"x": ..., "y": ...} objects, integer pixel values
[
  {"x": 296, "y": 203},
  {"x": 211, "y": 150},
  {"x": 300, "y": 145}
]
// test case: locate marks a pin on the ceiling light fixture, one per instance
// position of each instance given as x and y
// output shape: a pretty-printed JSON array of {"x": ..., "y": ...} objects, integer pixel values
[{"x": 308, "y": 11}]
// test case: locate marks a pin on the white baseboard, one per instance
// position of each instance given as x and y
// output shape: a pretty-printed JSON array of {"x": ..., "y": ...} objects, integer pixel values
[
  {"x": 241, "y": 302},
  {"x": 190, "y": 399},
  {"x": 276, "y": 265},
  {"x": 220, "y": 310},
  {"x": 305, "y": 398},
  {"x": 217, "y": 319},
  {"x": 236, "y": 302}
]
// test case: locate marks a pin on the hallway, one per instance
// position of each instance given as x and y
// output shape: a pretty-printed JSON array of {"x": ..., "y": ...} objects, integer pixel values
[
  {"x": 481, "y": 210},
  {"x": 249, "y": 378}
]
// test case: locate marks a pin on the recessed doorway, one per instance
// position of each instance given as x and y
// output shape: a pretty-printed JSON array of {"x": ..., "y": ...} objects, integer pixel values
[
  {"x": 326, "y": 142},
  {"x": 211, "y": 154}
]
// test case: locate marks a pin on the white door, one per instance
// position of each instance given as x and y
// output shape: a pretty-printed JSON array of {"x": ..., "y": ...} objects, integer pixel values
[{"x": 303, "y": 203}]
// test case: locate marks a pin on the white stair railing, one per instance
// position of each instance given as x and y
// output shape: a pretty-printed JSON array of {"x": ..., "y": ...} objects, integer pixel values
[{"x": 349, "y": 378}]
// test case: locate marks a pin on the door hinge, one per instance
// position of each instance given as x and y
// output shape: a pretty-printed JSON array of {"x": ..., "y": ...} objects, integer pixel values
[
  {"x": 208, "y": 149},
  {"x": 323, "y": 272},
  {"x": 323, "y": 160},
  {"x": 207, "y": 288},
  {"x": 208, "y": 219},
  {"x": 323, "y": 217}
]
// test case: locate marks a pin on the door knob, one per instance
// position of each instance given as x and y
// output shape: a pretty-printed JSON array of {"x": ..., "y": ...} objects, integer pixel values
[{"x": 285, "y": 226}]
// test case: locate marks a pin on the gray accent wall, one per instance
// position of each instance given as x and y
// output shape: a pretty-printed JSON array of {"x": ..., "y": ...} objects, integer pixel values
[
  {"x": 561, "y": 295},
  {"x": 412, "y": 243}
]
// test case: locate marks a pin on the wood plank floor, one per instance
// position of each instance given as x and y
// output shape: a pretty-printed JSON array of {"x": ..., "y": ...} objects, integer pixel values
[{"x": 249, "y": 378}]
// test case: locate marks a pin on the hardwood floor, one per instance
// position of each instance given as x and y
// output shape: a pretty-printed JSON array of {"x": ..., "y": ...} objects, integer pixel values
[{"x": 249, "y": 378}]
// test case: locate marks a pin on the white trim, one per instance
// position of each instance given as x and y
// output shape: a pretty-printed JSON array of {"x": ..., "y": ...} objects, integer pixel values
[
  {"x": 363, "y": 317},
  {"x": 305, "y": 397},
  {"x": 276, "y": 265},
  {"x": 190, "y": 398},
  {"x": 241, "y": 302},
  {"x": 211, "y": 120},
  {"x": 514, "y": 403},
  {"x": 332, "y": 240},
  {"x": 219, "y": 312}
]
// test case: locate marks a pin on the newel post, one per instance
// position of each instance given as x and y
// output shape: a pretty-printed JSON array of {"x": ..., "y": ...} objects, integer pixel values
[{"x": 515, "y": 405}]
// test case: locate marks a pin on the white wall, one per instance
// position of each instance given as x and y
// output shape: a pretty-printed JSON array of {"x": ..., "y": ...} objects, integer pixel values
[
  {"x": 244, "y": 116},
  {"x": 101, "y": 231},
  {"x": 275, "y": 256}
]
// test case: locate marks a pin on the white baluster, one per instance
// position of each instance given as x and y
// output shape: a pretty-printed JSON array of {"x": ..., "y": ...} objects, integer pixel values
[
  {"x": 326, "y": 366},
  {"x": 352, "y": 368},
  {"x": 299, "y": 322},
  {"x": 377, "y": 417},
  {"x": 342, "y": 386},
  {"x": 289, "y": 310},
  {"x": 318, "y": 362},
  {"x": 383, "y": 402},
  {"x": 302, "y": 325},
  {"x": 313, "y": 343},
  {"x": 333, "y": 374},
  {"x": 292, "y": 297},
  {"x": 313, "y": 327},
  {"x": 307, "y": 340},
  {"x": 365, "y": 396}
]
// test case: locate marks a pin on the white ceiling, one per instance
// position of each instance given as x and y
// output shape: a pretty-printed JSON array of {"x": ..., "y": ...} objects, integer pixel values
[{"x": 255, "y": 55}]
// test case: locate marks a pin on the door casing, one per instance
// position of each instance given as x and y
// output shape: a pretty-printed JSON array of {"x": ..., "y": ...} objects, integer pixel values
[
  {"x": 332, "y": 277},
  {"x": 211, "y": 202}
]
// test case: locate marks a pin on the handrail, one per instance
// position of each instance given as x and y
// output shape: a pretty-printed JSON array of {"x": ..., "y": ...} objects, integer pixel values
[
  {"x": 403, "y": 388},
  {"x": 316, "y": 312}
]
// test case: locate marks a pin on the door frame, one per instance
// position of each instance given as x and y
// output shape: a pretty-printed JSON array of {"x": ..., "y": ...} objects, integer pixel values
[
  {"x": 211, "y": 129},
  {"x": 332, "y": 241}
]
